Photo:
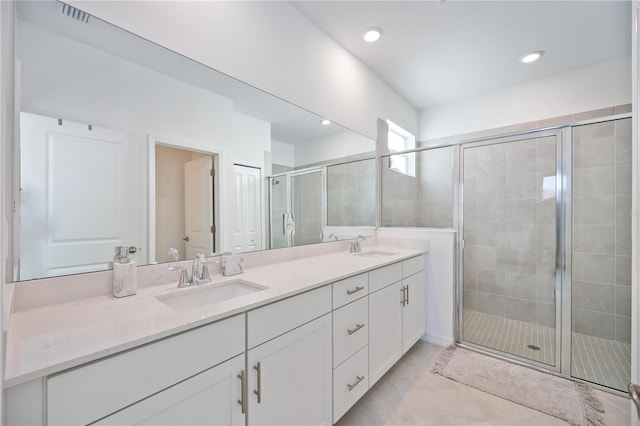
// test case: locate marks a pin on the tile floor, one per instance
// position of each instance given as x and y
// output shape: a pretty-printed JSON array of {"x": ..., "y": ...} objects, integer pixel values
[
  {"x": 601, "y": 361},
  {"x": 409, "y": 394}
]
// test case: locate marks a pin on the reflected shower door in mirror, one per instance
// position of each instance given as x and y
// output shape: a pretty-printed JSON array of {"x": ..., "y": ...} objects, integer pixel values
[
  {"x": 326, "y": 203},
  {"x": 417, "y": 189},
  {"x": 509, "y": 239},
  {"x": 114, "y": 93}
]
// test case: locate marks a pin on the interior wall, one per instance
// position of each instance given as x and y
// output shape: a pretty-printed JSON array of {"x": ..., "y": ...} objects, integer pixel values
[
  {"x": 282, "y": 154},
  {"x": 297, "y": 61},
  {"x": 329, "y": 148},
  {"x": 599, "y": 86}
]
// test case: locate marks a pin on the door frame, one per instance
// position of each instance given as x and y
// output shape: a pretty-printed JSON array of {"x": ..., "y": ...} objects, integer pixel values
[
  {"x": 560, "y": 134},
  {"x": 152, "y": 141}
]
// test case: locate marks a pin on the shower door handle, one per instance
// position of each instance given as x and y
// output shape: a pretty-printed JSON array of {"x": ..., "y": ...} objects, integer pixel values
[{"x": 634, "y": 392}]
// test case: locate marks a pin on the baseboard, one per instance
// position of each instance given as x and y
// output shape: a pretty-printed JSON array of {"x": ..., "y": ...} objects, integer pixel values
[{"x": 438, "y": 340}]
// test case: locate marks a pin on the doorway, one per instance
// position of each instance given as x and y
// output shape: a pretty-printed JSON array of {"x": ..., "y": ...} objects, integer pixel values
[{"x": 183, "y": 204}]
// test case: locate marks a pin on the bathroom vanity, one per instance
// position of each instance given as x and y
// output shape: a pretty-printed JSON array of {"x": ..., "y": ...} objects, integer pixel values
[{"x": 295, "y": 342}]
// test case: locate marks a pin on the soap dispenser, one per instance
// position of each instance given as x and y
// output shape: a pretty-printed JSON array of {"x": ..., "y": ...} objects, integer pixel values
[{"x": 125, "y": 281}]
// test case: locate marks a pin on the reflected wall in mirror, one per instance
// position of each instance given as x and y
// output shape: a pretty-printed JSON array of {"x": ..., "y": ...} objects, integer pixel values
[
  {"x": 101, "y": 109},
  {"x": 322, "y": 203}
]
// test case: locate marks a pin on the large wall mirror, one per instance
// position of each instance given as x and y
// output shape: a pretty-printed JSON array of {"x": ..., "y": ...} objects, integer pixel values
[{"x": 123, "y": 142}]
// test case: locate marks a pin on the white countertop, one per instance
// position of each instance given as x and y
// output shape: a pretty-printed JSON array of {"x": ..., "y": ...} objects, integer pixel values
[{"x": 52, "y": 338}]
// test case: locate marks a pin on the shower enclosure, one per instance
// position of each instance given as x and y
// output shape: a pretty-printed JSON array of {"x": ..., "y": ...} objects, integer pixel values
[
  {"x": 337, "y": 199},
  {"x": 545, "y": 245},
  {"x": 297, "y": 208}
]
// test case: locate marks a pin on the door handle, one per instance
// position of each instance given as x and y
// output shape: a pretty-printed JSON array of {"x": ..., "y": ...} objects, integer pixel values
[
  {"x": 355, "y": 290},
  {"x": 358, "y": 327},
  {"x": 634, "y": 393},
  {"x": 186, "y": 238},
  {"x": 242, "y": 390},
  {"x": 258, "y": 391}
]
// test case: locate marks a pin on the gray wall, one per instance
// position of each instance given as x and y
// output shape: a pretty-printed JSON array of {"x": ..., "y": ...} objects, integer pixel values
[
  {"x": 425, "y": 200},
  {"x": 351, "y": 194},
  {"x": 601, "y": 273}
]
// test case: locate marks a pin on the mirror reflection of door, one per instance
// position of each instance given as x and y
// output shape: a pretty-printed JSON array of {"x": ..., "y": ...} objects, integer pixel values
[
  {"x": 247, "y": 234},
  {"x": 184, "y": 202},
  {"x": 78, "y": 183}
]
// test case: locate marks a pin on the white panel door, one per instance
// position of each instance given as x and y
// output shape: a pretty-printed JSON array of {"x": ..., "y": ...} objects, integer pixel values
[
  {"x": 198, "y": 206},
  {"x": 414, "y": 313},
  {"x": 385, "y": 330},
  {"x": 210, "y": 398},
  {"x": 80, "y": 196},
  {"x": 294, "y": 377},
  {"x": 247, "y": 234}
]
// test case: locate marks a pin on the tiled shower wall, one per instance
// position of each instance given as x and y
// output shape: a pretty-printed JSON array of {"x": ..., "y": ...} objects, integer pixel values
[
  {"x": 601, "y": 272},
  {"x": 306, "y": 195},
  {"x": 509, "y": 230},
  {"x": 425, "y": 200},
  {"x": 351, "y": 194},
  {"x": 435, "y": 188}
]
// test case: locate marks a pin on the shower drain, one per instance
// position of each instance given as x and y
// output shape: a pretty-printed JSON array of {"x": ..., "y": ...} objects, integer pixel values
[{"x": 534, "y": 347}]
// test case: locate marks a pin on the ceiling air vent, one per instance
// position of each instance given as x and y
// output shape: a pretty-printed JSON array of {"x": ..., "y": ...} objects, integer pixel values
[{"x": 74, "y": 13}]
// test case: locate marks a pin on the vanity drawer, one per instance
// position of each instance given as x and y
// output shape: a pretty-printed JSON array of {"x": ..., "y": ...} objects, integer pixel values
[
  {"x": 350, "y": 289},
  {"x": 85, "y": 394},
  {"x": 275, "y": 319},
  {"x": 412, "y": 266},
  {"x": 350, "y": 329},
  {"x": 350, "y": 382},
  {"x": 380, "y": 278}
]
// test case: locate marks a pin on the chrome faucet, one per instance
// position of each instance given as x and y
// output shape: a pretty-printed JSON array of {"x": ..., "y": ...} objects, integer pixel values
[
  {"x": 184, "y": 280},
  {"x": 355, "y": 244},
  {"x": 197, "y": 276}
]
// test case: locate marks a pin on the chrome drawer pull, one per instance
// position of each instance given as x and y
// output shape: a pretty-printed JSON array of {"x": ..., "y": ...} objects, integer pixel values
[
  {"x": 358, "y": 327},
  {"x": 258, "y": 392},
  {"x": 355, "y": 290},
  {"x": 241, "y": 400},
  {"x": 356, "y": 383}
]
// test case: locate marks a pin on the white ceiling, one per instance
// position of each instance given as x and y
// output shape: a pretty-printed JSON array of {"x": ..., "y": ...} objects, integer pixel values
[{"x": 436, "y": 52}]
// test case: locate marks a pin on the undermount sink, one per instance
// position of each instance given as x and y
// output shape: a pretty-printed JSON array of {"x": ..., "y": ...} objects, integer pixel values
[
  {"x": 376, "y": 254},
  {"x": 198, "y": 297}
]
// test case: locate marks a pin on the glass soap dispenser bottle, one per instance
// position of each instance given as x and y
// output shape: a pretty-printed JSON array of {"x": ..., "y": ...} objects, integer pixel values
[{"x": 125, "y": 281}]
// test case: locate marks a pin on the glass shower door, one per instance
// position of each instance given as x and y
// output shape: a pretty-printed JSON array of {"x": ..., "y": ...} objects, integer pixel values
[{"x": 509, "y": 230}]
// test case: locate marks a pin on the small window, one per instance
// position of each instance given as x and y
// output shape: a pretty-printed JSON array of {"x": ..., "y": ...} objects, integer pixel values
[{"x": 399, "y": 140}]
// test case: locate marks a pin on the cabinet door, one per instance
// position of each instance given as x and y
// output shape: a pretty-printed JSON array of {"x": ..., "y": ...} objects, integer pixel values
[
  {"x": 209, "y": 398},
  {"x": 414, "y": 312},
  {"x": 385, "y": 330},
  {"x": 292, "y": 375}
]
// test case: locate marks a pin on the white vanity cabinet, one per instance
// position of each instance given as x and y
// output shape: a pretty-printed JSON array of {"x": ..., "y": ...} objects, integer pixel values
[
  {"x": 289, "y": 361},
  {"x": 397, "y": 313},
  {"x": 290, "y": 377},
  {"x": 302, "y": 360},
  {"x": 213, "y": 397},
  {"x": 93, "y": 391}
]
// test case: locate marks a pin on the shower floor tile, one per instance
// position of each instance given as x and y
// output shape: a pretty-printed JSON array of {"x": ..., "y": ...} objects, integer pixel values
[{"x": 601, "y": 361}]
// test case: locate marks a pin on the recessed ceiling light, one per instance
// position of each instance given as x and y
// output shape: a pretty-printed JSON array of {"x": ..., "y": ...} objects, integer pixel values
[
  {"x": 372, "y": 34},
  {"x": 532, "y": 57},
  {"x": 325, "y": 122}
]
